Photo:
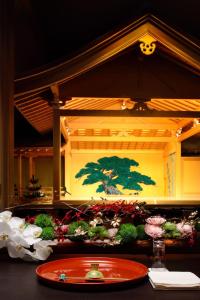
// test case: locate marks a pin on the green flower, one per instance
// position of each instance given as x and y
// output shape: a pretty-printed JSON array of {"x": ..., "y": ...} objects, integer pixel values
[
  {"x": 141, "y": 234},
  {"x": 127, "y": 233},
  {"x": 48, "y": 233},
  {"x": 98, "y": 232},
  {"x": 77, "y": 230},
  {"x": 171, "y": 230},
  {"x": 44, "y": 220},
  {"x": 169, "y": 226}
]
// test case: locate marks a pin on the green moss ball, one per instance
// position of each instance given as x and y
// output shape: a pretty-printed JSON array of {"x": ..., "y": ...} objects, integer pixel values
[
  {"x": 43, "y": 220},
  {"x": 127, "y": 233},
  {"x": 48, "y": 233}
]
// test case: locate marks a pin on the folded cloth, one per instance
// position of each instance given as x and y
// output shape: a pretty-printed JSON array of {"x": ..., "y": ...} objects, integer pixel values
[{"x": 174, "y": 280}]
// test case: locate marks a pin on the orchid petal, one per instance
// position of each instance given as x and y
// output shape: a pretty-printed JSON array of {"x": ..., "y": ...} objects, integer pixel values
[
  {"x": 5, "y": 216},
  {"x": 31, "y": 240},
  {"x": 19, "y": 239},
  {"x": 32, "y": 230},
  {"x": 16, "y": 223},
  {"x": 4, "y": 229},
  {"x": 16, "y": 250},
  {"x": 43, "y": 244},
  {"x": 3, "y": 243},
  {"x": 43, "y": 253}
]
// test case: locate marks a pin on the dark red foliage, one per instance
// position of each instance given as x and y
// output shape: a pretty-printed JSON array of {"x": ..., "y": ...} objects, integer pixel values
[
  {"x": 121, "y": 209},
  {"x": 192, "y": 238},
  {"x": 57, "y": 221},
  {"x": 68, "y": 217},
  {"x": 30, "y": 220},
  {"x": 59, "y": 234}
]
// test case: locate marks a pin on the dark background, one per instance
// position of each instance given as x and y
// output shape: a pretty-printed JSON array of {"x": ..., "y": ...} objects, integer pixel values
[{"x": 53, "y": 30}]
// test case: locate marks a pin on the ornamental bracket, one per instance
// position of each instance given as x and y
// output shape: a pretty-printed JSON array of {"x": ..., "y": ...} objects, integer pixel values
[{"x": 147, "y": 44}]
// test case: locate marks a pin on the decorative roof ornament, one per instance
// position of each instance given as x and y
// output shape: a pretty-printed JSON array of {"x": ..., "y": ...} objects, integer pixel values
[
  {"x": 147, "y": 44},
  {"x": 141, "y": 104}
]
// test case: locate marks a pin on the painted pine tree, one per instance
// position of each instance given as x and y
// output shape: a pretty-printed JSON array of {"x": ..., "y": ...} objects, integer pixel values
[{"x": 112, "y": 172}]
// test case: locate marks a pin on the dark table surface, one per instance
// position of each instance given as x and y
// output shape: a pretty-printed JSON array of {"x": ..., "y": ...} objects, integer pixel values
[{"x": 18, "y": 281}]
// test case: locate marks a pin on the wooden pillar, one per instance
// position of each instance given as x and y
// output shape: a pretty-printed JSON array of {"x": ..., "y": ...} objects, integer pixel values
[
  {"x": 20, "y": 175},
  {"x": 6, "y": 103},
  {"x": 31, "y": 163},
  {"x": 68, "y": 163},
  {"x": 56, "y": 149},
  {"x": 178, "y": 171}
]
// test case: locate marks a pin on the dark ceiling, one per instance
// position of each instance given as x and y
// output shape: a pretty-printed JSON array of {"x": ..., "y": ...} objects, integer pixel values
[{"x": 51, "y": 30}]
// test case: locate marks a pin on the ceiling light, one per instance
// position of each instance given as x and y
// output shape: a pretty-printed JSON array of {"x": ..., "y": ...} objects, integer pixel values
[
  {"x": 141, "y": 105},
  {"x": 68, "y": 130},
  {"x": 178, "y": 132},
  {"x": 123, "y": 106},
  {"x": 196, "y": 122}
]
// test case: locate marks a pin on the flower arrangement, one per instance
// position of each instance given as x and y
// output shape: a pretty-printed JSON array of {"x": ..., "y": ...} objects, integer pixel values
[
  {"x": 23, "y": 240},
  {"x": 159, "y": 227},
  {"x": 100, "y": 224}
]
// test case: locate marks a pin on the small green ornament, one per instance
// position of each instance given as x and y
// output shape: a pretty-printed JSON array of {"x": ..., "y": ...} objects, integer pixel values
[
  {"x": 62, "y": 277},
  {"x": 94, "y": 273}
]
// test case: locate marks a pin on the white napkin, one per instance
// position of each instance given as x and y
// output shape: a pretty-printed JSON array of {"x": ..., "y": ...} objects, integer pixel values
[{"x": 174, "y": 280}]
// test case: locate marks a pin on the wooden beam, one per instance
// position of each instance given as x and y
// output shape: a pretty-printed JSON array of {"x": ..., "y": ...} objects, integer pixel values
[
  {"x": 187, "y": 134},
  {"x": 130, "y": 113},
  {"x": 130, "y": 151},
  {"x": 184, "y": 123},
  {"x": 121, "y": 139},
  {"x": 55, "y": 90},
  {"x": 95, "y": 124}
]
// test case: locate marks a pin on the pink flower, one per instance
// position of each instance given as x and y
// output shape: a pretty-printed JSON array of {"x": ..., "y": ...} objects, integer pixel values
[
  {"x": 156, "y": 220},
  {"x": 185, "y": 229},
  {"x": 112, "y": 232},
  {"x": 64, "y": 228},
  {"x": 154, "y": 231}
]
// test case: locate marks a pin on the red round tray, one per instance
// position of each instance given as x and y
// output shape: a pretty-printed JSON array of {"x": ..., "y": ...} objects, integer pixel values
[{"x": 117, "y": 272}]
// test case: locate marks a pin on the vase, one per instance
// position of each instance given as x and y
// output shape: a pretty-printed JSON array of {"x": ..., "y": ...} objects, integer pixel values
[{"x": 158, "y": 255}]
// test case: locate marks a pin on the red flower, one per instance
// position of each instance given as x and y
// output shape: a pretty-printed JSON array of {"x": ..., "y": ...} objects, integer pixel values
[{"x": 30, "y": 220}]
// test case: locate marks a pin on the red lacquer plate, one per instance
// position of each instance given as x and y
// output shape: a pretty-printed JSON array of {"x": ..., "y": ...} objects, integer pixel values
[{"x": 116, "y": 272}]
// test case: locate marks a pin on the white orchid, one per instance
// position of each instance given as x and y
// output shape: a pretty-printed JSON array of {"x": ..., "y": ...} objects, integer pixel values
[
  {"x": 31, "y": 234},
  {"x": 18, "y": 237},
  {"x": 17, "y": 224},
  {"x": 16, "y": 250},
  {"x": 5, "y": 216},
  {"x": 5, "y": 232},
  {"x": 17, "y": 246},
  {"x": 43, "y": 250}
]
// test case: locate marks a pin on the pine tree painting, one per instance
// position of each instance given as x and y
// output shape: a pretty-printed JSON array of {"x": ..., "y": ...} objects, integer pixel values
[{"x": 112, "y": 172}]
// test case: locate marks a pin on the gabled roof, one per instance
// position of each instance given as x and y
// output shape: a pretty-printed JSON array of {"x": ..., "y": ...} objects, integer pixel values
[
  {"x": 182, "y": 47},
  {"x": 29, "y": 89}
]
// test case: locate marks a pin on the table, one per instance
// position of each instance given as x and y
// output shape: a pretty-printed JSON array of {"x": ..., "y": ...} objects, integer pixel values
[{"x": 18, "y": 281}]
